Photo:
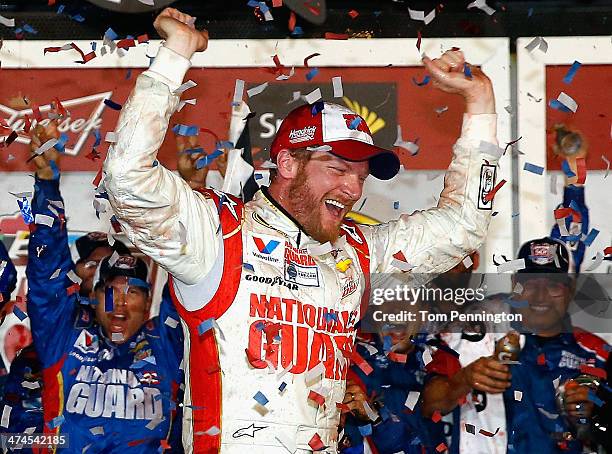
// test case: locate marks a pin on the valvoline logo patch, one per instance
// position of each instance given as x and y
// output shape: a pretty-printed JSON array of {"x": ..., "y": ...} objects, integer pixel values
[{"x": 265, "y": 248}]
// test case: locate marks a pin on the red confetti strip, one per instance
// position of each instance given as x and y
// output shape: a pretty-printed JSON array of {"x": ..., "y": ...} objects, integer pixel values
[
  {"x": 277, "y": 3},
  {"x": 436, "y": 417},
  {"x": 608, "y": 250},
  {"x": 315, "y": 443},
  {"x": 353, "y": 14},
  {"x": 126, "y": 43},
  {"x": 316, "y": 397},
  {"x": 143, "y": 39},
  {"x": 441, "y": 447},
  {"x": 316, "y": 54},
  {"x": 581, "y": 170},
  {"x": 342, "y": 407},
  {"x": 74, "y": 288},
  {"x": 338, "y": 36},
  {"x": 291, "y": 23},
  {"x": 418, "y": 44},
  {"x": 313, "y": 9},
  {"x": 164, "y": 444},
  {"x": 51, "y": 3},
  {"x": 594, "y": 371},
  {"x": 360, "y": 362},
  {"x": 97, "y": 179},
  {"x": 541, "y": 359},
  {"x": 561, "y": 213},
  {"x": 56, "y": 104},
  {"x": 36, "y": 113},
  {"x": 397, "y": 357},
  {"x": 497, "y": 187},
  {"x": 486, "y": 433},
  {"x": 28, "y": 123},
  {"x": 400, "y": 256}
]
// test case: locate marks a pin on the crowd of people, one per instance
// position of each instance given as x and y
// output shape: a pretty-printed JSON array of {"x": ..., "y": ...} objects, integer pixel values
[{"x": 257, "y": 345}]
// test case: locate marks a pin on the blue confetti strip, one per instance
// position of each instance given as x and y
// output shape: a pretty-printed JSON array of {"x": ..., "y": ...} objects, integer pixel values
[
  {"x": 297, "y": 31},
  {"x": 110, "y": 34},
  {"x": 98, "y": 137},
  {"x": 54, "y": 169},
  {"x": 208, "y": 159},
  {"x": 56, "y": 422},
  {"x": 30, "y": 29},
  {"x": 94, "y": 45},
  {"x": 596, "y": 400},
  {"x": 569, "y": 77},
  {"x": 113, "y": 105},
  {"x": 224, "y": 144},
  {"x": 248, "y": 266},
  {"x": 77, "y": 18},
  {"x": 135, "y": 282},
  {"x": 567, "y": 170},
  {"x": 185, "y": 130},
  {"x": 60, "y": 9},
  {"x": 529, "y": 12},
  {"x": 529, "y": 167},
  {"x": 19, "y": 313},
  {"x": 260, "y": 398},
  {"x": 194, "y": 150},
  {"x": 574, "y": 206},
  {"x": 128, "y": 75},
  {"x": 555, "y": 104},
  {"x": 396, "y": 205},
  {"x": 61, "y": 142},
  {"x": 26, "y": 211},
  {"x": 425, "y": 81},
  {"x": 282, "y": 386},
  {"x": 467, "y": 70},
  {"x": 355, "y": 123},
  {"x": 591, "y": 237},
  {"x": 366, "y": 430},
  {"x": 317, "y": 107},
  {"x": 312, "y": 74},
  {"x": 387, "y": 343},
  {"x": 205, "y": 326},
  {"x": 331, "y": 317},
  {"x": 258, "y": 176},
  {"x": 108, "y": 299}
]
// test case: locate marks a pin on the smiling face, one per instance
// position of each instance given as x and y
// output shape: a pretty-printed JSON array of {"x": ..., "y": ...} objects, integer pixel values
[
  {"x": 323, "y": 191},
  {"x": 130, "y": 309},
  {"x": 548, "y": 299}
]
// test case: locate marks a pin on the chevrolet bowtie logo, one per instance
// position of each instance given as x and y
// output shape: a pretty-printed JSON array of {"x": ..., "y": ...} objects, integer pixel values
[
  {"x": 374, "y": 122},
  {"x": 79, "y": 126}
]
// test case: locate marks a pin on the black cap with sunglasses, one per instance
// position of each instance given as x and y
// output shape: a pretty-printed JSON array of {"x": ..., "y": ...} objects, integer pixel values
[
  {"x": 91, "y": 241},
  {"x": 134, "y": 268}
]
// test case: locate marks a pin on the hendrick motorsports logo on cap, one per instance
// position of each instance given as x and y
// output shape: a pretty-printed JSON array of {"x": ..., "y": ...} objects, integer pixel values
[
  {"x": 125, "y": 262},
  {"x": 302, "y": 135},
  {"x": 542, "y": 254}
]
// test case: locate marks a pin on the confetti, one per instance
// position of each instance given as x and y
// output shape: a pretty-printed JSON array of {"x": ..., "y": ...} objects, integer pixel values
[
  {"x": 43, "y": 219},
  {"x": 313, "y": 96},
  {"x": 257, "y": 90},
  {"x": 467, "y": 262},
  {"x": 419, "y": 38},
  {"x": 113, "y": 105},
  {"x": 55, "y": 422},
  {"x": 238, "y": 91},
  {"x": 316, "y": 397},
  {"x": 312, "y": 74},
  {"x": 420, "y": 15},
  {"x": 482, "y": 5},
  {"x": 98, "y": 430},
  {"x": 581, "y": 170},
  {"x": 607, "y": 161},
  {"x": 185, "y": 130},
  {"x": 591, "y": 237},
  {"x": 511, "y": 265},
  {"x": 529, "y": 167},
  {"x": 306, "y": 60},
  {"x": 467, "y": 71},
  {"x": 338, "y": 90},
  {"x": 108, "y": 299},
  {"x": 366, "y": 430},
  {"x": 260, "y": 398},
  {"x": 518, "y": 396},
  {"x": 486, "y": 433},
  {"x": 569, "y": 77},
  {"x": 336, "y": 36},
  {"x": 436, "y": 416},
  {"x": 538, "y": 42},
  {"x": 172, "y": 323},
  {"x": 6, "y": 21},
  {"x": 46, "y": 146},
  {"x": 564, "y": 103},
  {"x": 110, "y": 137},
  {"x": 205, "y": 326},
  {"x": 441, "y": 110},
  {"x": 441, "y": 447},
  {"x": 565, "y": 166},
  {"x": 396, "y": 205},
  {"x": 151, "y": 425},
  {"x": 424, "y": 82},
  {"x": 287, "y": 76},
  {"x": 282, "y": 387},
  {"x": 412, "y": 399},
  {"x": 315, "y": 443},
  {"x": 469, "y": 428},
  {"x": 596, "y": 261}
]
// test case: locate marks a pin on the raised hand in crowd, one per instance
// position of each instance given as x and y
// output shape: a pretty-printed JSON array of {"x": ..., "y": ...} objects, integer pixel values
[
  {"x": 179, "y": 31},
  {"x": 354, "y": 398},
  {"x": 40, "y": 135}
]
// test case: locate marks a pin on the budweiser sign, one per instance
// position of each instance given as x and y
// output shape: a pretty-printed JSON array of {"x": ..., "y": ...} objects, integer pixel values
[{"x": 81, "y": 127}]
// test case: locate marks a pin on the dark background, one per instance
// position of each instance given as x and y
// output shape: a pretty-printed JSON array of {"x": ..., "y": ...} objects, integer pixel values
[{"x": 377, "y": 18}]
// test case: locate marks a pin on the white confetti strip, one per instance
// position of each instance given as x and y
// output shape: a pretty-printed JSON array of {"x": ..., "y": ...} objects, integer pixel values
[
  {"x": 567, "y": 101},
  {"x": 212, "y": 431},
  {"x": 111, "y": 137},
  {"x": 412, "y": 399},
  {"x": 518, "y": 396},
  {"x": 186, "y": 86},
  {"x": 490, "y": 149},
  {"x": 607, "y": 161},
  {"x": 98, "y": 430},
  {"x": 73, "y": 277},
  {"x": 553, "y": 184},
  {"x": 596, "y": 261},
  {"x": 154, "y": 423},
  {"x": 296, "y": 95},
  {"x": 518, "y": 289},
  {"x": 56, "y": 274},
  {"x": 287, "y": 76},
  {"x": 371, "y": 413},
  {"x": 30, "y": 384},
  {"x": 257, "y": 90},
  {"x": 46, "y": 146},
  {"x": 268, "y": 165},
  {"x": 420, "y": 15},
  {"x": 6, "y": 21},
  {"x": 43, "y": 219},
  {"x": 337, "y": 84},
  {"x": 548, "y": 414},
  {"x": 21, "y": 195},
  {"x": 238, "y": 91},
  {"x": 512, "y": 265},
  {"x": 315, "y": 372},
  {"x": 313, "y": 96},
  {"x": 481, "y": 5},
  {"x": 116, "y": 337},
  {"x": 191, "y": 102},
  {"x": 172, "y": 323},
  {"x": 411, "y": 147},
  {"x": 6, "y": 415},
  {"x": 400, "y": 265},
  {"x": 468, "y": 262},
  {"x": 538, "y": 42}
]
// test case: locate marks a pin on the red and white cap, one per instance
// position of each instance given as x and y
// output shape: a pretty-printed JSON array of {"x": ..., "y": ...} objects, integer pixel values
[{"x": 346, "y": 134}]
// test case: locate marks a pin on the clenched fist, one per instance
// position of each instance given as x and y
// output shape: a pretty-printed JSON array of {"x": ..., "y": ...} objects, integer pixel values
[
  {"x": 39, "y": 135},
  {"x": 179, "y": 31}
]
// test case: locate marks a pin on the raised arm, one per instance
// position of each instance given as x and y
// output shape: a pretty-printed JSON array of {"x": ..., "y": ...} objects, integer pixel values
[
  {"x": 159, "y": 212},
  {"x": 435, "y": 240}
]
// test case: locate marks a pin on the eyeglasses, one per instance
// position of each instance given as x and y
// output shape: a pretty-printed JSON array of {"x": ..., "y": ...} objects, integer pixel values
[{"x": 554, "y": 289}]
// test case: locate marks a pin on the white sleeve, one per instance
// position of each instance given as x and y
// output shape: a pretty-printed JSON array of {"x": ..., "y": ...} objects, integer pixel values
[
  {"x": 435, "y": 240},
  {"x": 158, "y": 211}
]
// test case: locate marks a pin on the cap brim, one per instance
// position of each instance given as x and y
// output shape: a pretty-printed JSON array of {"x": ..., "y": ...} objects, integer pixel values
[{"x": 384, "y": 164}]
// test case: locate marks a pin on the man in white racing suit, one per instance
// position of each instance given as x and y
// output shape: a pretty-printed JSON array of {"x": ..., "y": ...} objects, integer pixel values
[{"x": 270, "y": 291}]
